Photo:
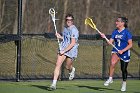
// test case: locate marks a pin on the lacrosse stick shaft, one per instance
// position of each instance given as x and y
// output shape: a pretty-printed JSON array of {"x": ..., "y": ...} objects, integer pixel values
[
  {"x": 57, "y": 37},
  {"x": 56, "y": 32},
  {"x": 107, "y": 39}
]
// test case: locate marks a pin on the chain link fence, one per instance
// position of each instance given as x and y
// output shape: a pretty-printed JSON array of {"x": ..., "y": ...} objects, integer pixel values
[{"x": 39, "y": 54}]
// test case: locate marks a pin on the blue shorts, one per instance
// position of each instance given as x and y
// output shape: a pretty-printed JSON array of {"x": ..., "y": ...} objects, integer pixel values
[{"x": 125, "y": 56}]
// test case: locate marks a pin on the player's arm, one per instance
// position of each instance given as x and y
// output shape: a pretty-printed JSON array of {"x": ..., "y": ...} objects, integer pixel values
[
  {"x": 73, "y": 42},
  {"x": 58, "y": 36},
  {"x": 110, "y": 40}
]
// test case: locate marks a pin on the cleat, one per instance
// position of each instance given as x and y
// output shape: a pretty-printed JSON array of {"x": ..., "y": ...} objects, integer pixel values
[
  {"x": 72, "y": 74},
  {"x": 52, "y": 87},
  {"x": 123, "y": 86},
  {"x": 108, "y": 82}
]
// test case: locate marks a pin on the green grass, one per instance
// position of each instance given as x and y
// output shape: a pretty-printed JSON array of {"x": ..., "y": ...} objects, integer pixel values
[{"x": 75, "y": 86}]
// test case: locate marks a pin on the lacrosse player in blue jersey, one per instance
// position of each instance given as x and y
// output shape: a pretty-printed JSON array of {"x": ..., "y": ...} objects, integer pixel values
[
  {"x": 68, "y": 49},
  {"x": 122, "y": 39}
]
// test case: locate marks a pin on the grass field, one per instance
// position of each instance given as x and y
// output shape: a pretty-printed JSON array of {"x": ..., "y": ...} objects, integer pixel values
[{"x": 75, "y": 86}]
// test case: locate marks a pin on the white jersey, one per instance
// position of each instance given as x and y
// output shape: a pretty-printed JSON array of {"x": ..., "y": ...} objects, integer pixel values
[{"x": 68, "y": 33}]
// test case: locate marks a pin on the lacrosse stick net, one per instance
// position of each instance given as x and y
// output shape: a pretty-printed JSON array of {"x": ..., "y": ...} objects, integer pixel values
[{"x": 88, "y": 21}]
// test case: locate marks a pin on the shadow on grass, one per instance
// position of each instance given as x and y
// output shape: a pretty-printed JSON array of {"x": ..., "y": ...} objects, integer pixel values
[
  {"x": 89, "y": 87},
  {"x": 44, "y": 87},
  {"x": 41, "y": 87},
  {"x": 103, "y": 89},
  {"x": 96, "y": 88}
]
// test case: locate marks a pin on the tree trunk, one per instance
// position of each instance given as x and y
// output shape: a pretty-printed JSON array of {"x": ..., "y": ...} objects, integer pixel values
[
  {"x": 64, "y": 14},
  {"x": 86, "y": 15},
  {"x": 1, "y": 15}
]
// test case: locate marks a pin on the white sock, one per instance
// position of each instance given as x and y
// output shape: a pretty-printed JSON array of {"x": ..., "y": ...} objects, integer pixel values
[
  {"x": 110, "y": 78},
  {"x": 54, "y": 82},
  {"x": 124, "y": 82}
]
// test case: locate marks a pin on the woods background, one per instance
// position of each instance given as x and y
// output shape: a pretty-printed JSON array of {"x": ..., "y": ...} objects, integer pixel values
[{"x": 36, "y": 18}]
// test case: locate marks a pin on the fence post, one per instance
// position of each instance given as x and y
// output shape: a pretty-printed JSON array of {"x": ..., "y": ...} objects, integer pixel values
[
  {"x": 104, "y": 60},
  {"x": 18, "y": 68}
]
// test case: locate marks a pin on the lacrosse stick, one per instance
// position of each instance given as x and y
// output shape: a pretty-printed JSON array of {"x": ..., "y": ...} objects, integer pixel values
[
  {"x": 88, "y": 21},
  {"x": 52, "y": 13}
]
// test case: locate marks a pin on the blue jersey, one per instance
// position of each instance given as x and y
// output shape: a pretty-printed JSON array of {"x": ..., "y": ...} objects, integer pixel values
[
  {"x": 120, "y": 42},
  {"x": 68, "y": 33}
]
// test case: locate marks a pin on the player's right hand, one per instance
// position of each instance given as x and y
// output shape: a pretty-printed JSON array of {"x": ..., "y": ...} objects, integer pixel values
[
  {"x": 102, "y": 35},
  {"x": 58, "y": 35}
]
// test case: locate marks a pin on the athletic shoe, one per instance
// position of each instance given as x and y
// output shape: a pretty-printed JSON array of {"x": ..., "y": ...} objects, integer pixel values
[
  {"x": 123, "y": 86},
  {"x": 52, "y": 87},
  {"x": 108, "y": 82},
  {"x": 72, "y": 74}
]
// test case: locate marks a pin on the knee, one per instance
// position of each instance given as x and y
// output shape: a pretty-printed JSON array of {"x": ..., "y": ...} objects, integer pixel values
[{"x": 113, "y": 64}]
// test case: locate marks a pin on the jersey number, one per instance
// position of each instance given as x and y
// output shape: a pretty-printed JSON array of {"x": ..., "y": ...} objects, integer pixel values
[{"x": 119, "y": 42}]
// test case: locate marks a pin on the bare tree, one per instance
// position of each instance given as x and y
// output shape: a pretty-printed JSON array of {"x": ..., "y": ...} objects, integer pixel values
[
  {"x": 87, "y": 13},
  {"x": 1, "y": 15},
  {"x": 64, "y": 14}
]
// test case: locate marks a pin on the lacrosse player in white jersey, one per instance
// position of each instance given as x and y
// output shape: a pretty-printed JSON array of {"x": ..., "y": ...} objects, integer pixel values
[{"x": 68, "y": 49}]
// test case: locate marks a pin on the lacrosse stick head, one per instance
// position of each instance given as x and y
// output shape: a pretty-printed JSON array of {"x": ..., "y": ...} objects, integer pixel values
[
  {"x": 88, "y": 21},
  {"x": 51, "y": 11}
]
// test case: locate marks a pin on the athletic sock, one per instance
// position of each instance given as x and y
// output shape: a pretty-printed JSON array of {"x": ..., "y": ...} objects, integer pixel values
[
  {"x": 110, "y": 78},
  {"x": 54, "y": 82},
  {"x": 124, "y": 82}
]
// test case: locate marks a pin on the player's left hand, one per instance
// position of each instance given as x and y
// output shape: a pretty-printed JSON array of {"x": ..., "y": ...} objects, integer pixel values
[
  {"x": 120, "y": 52},
  {"x": 62, "y": 52}
]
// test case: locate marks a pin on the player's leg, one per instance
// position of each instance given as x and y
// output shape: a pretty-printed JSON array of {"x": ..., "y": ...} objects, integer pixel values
[
  {"x": 124, "y": 74},
  {"x": 114, "y": 61},
  {"x": 60, "y": 60},
  {"x": 139, "y": 44},
  {"x": 70, "y": 67}
]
